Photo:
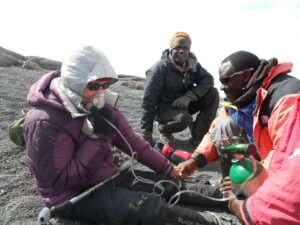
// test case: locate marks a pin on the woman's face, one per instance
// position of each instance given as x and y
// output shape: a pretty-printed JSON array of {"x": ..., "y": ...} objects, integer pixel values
[{"x": 93, "y": 88}]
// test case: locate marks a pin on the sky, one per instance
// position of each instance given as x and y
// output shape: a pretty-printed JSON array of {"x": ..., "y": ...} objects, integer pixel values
[{"x": 133, "y": 33}]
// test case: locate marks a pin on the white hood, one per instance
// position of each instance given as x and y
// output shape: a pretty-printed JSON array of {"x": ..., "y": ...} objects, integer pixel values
[{"x": 81, "y": 66}]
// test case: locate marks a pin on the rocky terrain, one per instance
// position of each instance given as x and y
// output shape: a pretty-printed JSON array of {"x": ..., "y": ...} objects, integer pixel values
[{"x": 19, "y": 201}]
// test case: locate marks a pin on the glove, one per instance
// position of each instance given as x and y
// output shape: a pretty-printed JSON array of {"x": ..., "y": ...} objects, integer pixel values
[
  {"x": 184, "y": 101},
  {"x": 147, "y": 135},
  {"x": 100, "y": 125}
]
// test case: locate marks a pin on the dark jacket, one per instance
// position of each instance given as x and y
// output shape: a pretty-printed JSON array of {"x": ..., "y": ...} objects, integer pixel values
[
  {"x": 165, "y": 83},
  {"x": 63, "y": 159}
]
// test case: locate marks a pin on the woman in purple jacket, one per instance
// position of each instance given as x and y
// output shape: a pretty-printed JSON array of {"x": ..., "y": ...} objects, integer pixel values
[{"x": 68, "y": 144}]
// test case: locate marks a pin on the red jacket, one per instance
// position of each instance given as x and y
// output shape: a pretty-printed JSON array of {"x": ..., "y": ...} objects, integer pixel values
[
  {"x": 277, "y": 201},
  {"x": 267, "y": 129}
]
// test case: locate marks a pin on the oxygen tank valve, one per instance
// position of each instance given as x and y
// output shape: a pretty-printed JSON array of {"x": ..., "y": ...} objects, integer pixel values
[{"x": 242, "y": 149}]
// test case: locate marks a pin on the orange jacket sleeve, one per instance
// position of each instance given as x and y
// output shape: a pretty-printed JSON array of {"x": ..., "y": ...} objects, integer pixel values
[{"x": 206, "y": 147}]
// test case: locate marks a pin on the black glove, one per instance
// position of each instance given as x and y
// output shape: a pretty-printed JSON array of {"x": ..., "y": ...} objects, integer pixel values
[
  {"x": 100, "y": 125},
  {"x": 184, "y": 101}
]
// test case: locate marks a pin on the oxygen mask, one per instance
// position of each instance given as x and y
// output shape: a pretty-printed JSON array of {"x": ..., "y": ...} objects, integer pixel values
[{"x": 97, "y": 101}]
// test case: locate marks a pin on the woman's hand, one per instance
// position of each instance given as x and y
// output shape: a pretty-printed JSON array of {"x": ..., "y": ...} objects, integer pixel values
[
  {"x": 176, "y": 173},
  {"x": 187, "y": 167}
]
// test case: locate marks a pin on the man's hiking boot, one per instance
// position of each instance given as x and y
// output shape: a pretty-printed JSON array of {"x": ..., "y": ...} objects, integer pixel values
[{"x": 167, "y": 139}]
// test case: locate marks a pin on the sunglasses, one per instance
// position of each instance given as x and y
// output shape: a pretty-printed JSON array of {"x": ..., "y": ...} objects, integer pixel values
[
  {"x": 95, "y": 86},
  {"x": 225, "y": 80}
]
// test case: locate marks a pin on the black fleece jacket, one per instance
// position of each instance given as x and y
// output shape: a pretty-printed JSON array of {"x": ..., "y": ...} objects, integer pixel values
[{"x": 165, "y": 83}]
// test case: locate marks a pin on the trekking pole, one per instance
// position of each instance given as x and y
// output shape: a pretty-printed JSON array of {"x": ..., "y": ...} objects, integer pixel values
[{"x": 46, "y": 214}]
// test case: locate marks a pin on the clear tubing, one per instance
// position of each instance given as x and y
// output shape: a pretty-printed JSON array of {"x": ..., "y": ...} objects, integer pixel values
[
  {"x": 139, "y": 178},
  {"x": 178, "y": 194},
  {"x": 159, "y": 183}
]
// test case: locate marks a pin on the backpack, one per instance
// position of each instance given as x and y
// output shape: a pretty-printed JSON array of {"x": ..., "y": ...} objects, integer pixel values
[{"x": 15, "y": 132}]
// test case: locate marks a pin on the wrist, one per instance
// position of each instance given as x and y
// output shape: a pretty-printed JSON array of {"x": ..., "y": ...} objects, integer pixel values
[
  {"x": 199, "y": 158},
  {"x": 169, "y": 170},
  {"x": 234, "y": 207},
  {"x": 230, "y": 204}
]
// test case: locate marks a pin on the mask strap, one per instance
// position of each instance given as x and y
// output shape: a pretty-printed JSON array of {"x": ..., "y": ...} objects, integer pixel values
[{"x": 74, "y": 91}]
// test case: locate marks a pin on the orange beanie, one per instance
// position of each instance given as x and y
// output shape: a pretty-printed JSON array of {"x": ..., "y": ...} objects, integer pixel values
[{"x": 180, "y": 39}]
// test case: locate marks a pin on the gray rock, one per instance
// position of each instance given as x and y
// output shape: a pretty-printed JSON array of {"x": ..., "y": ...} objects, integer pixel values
[
  {"x": 133, "y": 82},
  {"x": 9, "y": 58},
  {"x": 14, "y": 54},
  {"x": 28, "y": 64},
  {"x": 45, "y": 63}
]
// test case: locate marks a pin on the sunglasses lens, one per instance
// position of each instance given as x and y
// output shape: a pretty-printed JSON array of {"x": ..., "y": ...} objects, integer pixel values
[
  {"x": 106, "y": 85},
  {"x": 224, "y": 81},
  {"x": 93, "y": 86},
  {"x": 96, "y": 86}
]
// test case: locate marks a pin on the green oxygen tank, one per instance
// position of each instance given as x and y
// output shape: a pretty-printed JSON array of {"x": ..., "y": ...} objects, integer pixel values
[
  {"x": 246, "y": 175},
  {"x": 240, "y": 170}
]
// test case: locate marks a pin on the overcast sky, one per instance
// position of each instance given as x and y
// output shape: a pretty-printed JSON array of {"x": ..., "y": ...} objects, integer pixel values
[{"x": 133, "y": 33}]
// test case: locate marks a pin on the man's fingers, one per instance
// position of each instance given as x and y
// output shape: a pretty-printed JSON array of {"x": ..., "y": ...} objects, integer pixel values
[
  {"x": 226, "y": 179},
  {"x": 225, "y": 187}
]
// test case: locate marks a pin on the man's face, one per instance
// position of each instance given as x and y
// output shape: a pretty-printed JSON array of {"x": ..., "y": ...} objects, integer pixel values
[
  {"x": 232, "y": 81},
  {"x": 180, "y": 55}
]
